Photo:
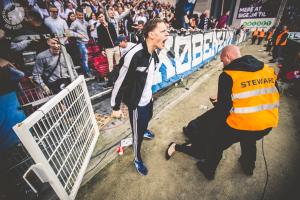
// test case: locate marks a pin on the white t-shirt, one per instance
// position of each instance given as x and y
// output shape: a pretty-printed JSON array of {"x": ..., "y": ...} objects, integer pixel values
[
  {"x": 126, "y": 49},
  {"x": 147, "y": 92}
]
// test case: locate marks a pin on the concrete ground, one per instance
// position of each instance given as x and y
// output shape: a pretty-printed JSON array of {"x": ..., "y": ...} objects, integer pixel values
[{"x": 179, "y": 177}]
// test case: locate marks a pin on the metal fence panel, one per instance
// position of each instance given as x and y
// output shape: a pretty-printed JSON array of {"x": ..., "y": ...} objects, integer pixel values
[{"x": 61, "y": 135}]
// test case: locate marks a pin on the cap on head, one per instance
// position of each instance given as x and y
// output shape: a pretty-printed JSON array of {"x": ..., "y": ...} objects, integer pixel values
[{"x": 120, "y": 39}]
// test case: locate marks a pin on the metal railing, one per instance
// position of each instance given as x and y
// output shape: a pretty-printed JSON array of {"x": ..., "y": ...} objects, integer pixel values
[{"x": 60, "y": 137}]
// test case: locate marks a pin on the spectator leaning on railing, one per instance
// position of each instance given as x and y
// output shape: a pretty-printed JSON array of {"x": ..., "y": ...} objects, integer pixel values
[
  {"x": 50, "y": 70},
  {"x": 223, "y": 20}
]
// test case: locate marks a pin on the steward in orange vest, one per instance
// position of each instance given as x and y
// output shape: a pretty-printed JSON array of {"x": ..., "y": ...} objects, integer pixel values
[
  {"x": 254, "y": 36},
  {"x": 261, "y": 36},
  {"x": 255, "y": 33},
  {"x": 255, "y": 99},
  {"x": 270, "y": 34},
  {"x": 248, "y": 103},
  {"x": 281, "y": 39},
  {"x": 269, "y": 38},
  {"x": 280, "y": 42}
]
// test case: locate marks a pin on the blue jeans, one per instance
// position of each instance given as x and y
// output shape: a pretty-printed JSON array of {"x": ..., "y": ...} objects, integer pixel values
[{"x": 84, "y": 57}]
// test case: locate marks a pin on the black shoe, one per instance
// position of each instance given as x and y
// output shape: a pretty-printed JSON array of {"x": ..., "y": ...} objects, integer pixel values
[
  {"x": 209, "y": 174},
  {"x": 247, "y": 170}
]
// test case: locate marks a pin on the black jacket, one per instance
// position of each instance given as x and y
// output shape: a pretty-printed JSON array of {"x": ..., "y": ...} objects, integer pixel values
[
  {"x": 103, "y": 36},
  {"x": 204, "y": 22},
  {"x": 246, "y": 63},
  {"x": 132, "y": 77}
]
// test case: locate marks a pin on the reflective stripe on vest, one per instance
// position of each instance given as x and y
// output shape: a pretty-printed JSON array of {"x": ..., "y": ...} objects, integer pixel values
[
  {"x": 254, "y": 109},
  {"x": 253, "y": 93},
  {"x": 279, "y": 38},
  {"x": 255, "y": 100}
]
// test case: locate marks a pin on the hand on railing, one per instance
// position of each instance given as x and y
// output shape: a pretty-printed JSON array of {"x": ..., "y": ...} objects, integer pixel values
[{"x": 46, "y": 90}]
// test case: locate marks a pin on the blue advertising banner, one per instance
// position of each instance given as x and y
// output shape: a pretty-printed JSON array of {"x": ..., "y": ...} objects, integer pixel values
[{"x": 183, "y": 55}]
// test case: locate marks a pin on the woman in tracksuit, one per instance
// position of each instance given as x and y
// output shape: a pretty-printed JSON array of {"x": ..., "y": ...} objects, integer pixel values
[{"x": 134, "y": 84}]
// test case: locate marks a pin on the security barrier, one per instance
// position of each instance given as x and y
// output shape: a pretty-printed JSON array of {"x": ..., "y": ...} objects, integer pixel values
[{"x": 60, "y": 137}]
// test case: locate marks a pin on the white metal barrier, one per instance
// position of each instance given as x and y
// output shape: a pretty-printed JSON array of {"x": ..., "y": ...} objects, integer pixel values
[{"x": 61, "y": 136}]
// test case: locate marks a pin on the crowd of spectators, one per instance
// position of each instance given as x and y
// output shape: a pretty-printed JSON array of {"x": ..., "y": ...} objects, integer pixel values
[{"x": 100, "y": 23}]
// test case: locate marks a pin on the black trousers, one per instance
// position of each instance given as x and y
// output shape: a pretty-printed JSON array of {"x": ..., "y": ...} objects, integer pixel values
[
  {"x": 254, "y": 39},
  {"x": 227, "y": 136},
  {"x": 269, "y": 45},
  {"x": 199, "y": 133},
  {"x": 278, "y": 52},
  {"x": 209, "y": 136},
  {"x": 191, "y": 150},
  {"x": 260, "y": 39},
  {"x": 139, "y": 119}
]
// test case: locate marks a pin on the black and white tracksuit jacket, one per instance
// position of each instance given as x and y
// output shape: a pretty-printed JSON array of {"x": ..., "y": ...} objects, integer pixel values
[{"x": 132, "y": 77}]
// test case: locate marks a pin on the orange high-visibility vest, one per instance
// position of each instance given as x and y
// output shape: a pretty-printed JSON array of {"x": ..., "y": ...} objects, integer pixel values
[
  {"x": 261, "y": 34},
  {"x": 255, "y": 100},
  {"x": 255, "y": 33},
  {"x": 279, "y": 38},
  {"x": 270, "y": 35}
]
